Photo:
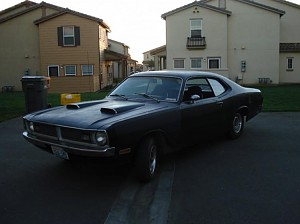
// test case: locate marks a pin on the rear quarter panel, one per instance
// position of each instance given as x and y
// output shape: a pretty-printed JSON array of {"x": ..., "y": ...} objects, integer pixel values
[
  {"x": 240, "y": 98},
  {"x": 255, "y": 102}
]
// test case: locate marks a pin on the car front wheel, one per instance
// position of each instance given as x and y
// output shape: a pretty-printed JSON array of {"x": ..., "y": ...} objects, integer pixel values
[
  {"x": 237, "y": 126},
  {"x": 146, "y": 159}
]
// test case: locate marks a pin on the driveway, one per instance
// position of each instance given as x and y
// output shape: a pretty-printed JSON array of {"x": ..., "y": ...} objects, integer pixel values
[
  {"x": 254, "y": 179},
  {"x": 36, "y": 187}
]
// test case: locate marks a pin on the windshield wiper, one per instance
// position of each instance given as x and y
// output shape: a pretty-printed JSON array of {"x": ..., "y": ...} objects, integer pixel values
[
  {"x": 147, "y": 96},
  {"x": 120, "y": 95}
]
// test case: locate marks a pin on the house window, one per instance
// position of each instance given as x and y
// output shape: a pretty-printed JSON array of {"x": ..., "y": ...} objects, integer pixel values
[
  {"x": 196, "y": 63},
  {"x": 178, "y": 63},
  {"x": 53, "y": 70},
  {"x": 70, "y": 70},
  {"x": 87, "y": 69},
  {"x": 222, "y": 4},
  {"x": 289, "y": 64},
  {"x": 214, "y": 63},
  {"x": 196, "y": 28},
  {"x": 68, "y": 36}
]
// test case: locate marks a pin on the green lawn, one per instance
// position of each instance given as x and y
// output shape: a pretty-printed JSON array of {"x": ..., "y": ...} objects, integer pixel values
[
  {"x": 13, "y": 104},
  {"x": 276, "y": 98},
  {"x": 281, "y": 98}
]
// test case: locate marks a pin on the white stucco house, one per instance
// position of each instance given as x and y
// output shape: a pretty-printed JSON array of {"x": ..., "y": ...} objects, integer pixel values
[{"x": 247, "y": 41}]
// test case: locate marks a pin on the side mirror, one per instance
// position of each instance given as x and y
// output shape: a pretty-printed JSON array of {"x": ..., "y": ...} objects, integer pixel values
[{"x": 195, "y": 97}]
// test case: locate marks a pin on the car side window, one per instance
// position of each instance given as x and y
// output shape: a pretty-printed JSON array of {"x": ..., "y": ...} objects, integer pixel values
[
  {"x": 197, "y": 86},
  {"x": 217, "y": 87}
]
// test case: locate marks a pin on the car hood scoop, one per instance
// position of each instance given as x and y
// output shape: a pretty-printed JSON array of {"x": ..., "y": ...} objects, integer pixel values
[
  {"x": 116, "y": 108},
  {"x": 75, "y": 106}
]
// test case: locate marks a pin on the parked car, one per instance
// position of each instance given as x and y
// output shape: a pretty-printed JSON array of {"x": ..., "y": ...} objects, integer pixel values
[{"x": 147, "y": 115}]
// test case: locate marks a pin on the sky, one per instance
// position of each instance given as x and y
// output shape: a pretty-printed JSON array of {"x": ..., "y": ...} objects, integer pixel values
[{"x": 136, "y": 23}]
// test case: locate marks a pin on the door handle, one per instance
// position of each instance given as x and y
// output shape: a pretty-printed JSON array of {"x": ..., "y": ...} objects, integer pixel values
[{"x": 220, "y": 103}]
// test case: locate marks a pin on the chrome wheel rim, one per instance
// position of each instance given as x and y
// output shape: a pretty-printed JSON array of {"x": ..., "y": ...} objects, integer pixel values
[
  {"x": 237, "y": 123},
  {"x": 152, "y": 159}
]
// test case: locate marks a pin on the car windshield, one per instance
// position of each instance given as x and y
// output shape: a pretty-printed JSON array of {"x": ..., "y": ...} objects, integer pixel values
[{"x": 152, "y": 88}]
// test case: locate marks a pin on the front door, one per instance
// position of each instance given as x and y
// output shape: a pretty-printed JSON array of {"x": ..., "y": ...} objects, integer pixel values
[{"x": 53, "y": 70}]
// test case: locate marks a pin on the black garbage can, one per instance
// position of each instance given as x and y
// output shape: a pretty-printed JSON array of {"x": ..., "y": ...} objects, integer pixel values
[{"x": 35, "y": 90}]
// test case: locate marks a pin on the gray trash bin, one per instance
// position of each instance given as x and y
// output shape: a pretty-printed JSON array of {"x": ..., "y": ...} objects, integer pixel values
[{"x": 35, "y": 90}]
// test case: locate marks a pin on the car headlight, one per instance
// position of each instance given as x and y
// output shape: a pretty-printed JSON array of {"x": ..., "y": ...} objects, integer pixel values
[
  {"x": 101, "y": 138},
  {"x": 31, "y": 126}
]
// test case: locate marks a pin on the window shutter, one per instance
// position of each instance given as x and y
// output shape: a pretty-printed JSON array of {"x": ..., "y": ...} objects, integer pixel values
[
  {"x": 77, "y": 35},
  {"x": 60, "y": 36}
]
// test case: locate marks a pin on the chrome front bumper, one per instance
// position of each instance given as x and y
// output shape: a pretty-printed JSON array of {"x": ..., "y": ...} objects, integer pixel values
[{"x": 79, "y": 150}]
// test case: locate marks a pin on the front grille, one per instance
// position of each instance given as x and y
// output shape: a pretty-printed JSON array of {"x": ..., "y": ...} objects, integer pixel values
[
  {"x": 63, "y": 134},
  {"x": 76, "y": 135},
  {"x": 45, "y": 129}
]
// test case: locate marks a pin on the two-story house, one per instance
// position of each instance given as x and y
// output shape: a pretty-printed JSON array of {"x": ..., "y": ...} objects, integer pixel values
[
  {"x": 44, "y": 39},
  {"x": 72, "y": 48},
  {"x": 19, "y": 41},
  {"x": 247, "y": 41},
  {"x": 121, "y": 63},
  {"x": 155, "y": 59}
]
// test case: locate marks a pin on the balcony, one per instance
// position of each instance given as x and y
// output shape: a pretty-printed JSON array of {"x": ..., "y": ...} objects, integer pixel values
[
  {"x": 196, "y": 43},
  {"x": 289, "y": 47}
]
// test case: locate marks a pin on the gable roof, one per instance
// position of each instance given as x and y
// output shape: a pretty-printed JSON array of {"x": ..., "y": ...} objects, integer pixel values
[
  {"x": 26, "y": 4},
  {"x": 69, "y": 11},
  {"x": 158, "y": 50},
  {"x": 114, "y": 56},
  {"x": 196, "y": 4},
  {"x": 266, "y": 7},
  {"x": 256, "y": 4},
  {"x": 61, "y": 11},
  {"x": 118, "y": 42},
  {"x": 29, "y": 9},
  {"x": 288, "y": 3}
]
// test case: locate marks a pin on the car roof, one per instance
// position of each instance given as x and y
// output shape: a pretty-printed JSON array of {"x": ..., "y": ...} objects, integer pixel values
[{"x": 184, "y": 74}]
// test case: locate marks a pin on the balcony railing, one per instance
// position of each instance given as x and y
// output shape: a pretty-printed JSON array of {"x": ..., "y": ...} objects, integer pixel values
[
  {"x": 196, "y": 43},
  {"x": 289, "y": 47}
]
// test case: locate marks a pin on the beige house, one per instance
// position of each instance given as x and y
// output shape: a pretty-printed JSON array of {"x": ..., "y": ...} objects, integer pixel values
[
  {"x": 121, "y": 63},
  {"x": 72, "y": 51},
  {"x": 148, "y": 61},
  {"x": 19, "y": 41},
  {"x": 155, "y": 59},
  {"x": 247, "y": 41},
  {"x": 44, "y": 39}
]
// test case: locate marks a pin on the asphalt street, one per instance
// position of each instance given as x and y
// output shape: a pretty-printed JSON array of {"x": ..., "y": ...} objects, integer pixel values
[{"x": 254, "y": 179}]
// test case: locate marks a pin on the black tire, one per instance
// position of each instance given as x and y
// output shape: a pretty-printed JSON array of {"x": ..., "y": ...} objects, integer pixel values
[
  {"x": 236, "y": 126},
  {"x": 146, "y": 159}
]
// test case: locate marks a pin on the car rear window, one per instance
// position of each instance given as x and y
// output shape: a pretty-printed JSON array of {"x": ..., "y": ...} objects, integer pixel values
[{"x": 217, "y": 87}]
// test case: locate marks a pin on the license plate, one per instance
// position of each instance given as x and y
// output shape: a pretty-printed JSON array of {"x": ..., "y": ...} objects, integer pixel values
[{"x": 59, "y": 152}]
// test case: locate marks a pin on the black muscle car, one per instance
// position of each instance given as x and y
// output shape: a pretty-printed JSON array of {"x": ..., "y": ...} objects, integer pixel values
[{"x": 148, "y": 114}]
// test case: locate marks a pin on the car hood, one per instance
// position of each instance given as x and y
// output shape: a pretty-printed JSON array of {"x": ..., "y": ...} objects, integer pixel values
[{"x": 94, "y": 114}]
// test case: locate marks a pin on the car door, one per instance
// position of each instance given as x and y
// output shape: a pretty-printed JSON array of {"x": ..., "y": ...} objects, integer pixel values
[
  {"x": 221, "y": 91},
  {"x": 200, "y": 117}
]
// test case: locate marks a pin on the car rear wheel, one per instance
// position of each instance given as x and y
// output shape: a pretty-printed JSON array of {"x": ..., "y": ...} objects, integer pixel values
[
  {"x": 237, "y": 126},
  {"x": 146, "y": 159}
]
